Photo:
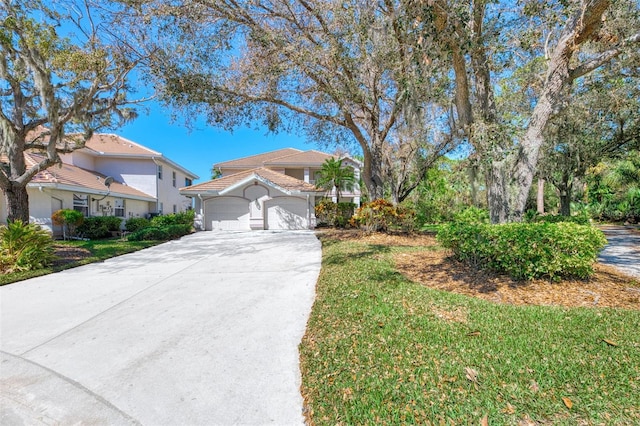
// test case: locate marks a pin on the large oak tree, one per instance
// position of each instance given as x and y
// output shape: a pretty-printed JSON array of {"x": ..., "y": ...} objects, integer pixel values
[{"x": 61, "y": 78}]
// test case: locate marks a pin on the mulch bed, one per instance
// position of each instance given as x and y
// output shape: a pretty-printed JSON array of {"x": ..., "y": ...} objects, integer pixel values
[
  {"x": 67, "y": 254},
  {"x": 436, "y": 269}
]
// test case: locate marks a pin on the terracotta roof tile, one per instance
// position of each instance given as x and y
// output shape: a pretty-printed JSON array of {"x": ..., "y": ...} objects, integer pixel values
[
  {"x": 305, "y": 158},
  {"x": 69, "y": 175},
  {"x": 283, "y": 181},
  {"x": 256, "y": 161},
  {"x": 114, "y": 144}
]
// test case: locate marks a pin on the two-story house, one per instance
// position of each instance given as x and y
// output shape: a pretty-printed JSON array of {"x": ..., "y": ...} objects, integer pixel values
[
  {"x": 274, "y": 190},
  {"x": 140, "y": 182}
]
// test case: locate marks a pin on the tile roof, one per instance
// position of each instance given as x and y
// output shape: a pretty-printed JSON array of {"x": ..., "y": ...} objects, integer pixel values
[
  {"x": 114, "y": 144},
  {"x": 278, "y": 179},
  {"x": 259, "y": 160},
  {"x": 305, "y": 158},
  {"x": 88, "y": 180}
]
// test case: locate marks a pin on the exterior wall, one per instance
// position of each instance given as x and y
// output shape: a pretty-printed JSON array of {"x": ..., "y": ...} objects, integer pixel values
[
  {"x": 137, "y": 173},
  {"x": 168, "y": 193},
  {"x": 295, "y": 173},
  {"x": 80, "y": 159},
  {"x": 227, "y": 172}
]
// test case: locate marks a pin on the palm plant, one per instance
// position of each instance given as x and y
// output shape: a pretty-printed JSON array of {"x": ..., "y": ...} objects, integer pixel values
[{"x": 333, "y": 175}]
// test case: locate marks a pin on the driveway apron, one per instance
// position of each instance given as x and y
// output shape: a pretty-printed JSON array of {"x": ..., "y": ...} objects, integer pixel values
[{"x": 200, "y": 331}]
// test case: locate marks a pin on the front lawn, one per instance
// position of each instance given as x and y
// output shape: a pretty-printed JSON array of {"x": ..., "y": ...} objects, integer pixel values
[
  {"x": 76, "y": 253},
  {"x": 382, "y": 349}
]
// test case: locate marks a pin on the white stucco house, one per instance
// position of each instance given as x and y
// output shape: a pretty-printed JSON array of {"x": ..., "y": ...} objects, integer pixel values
[
  {"x": 144, "y": 182},
  {"x": 273, "y": 190}
]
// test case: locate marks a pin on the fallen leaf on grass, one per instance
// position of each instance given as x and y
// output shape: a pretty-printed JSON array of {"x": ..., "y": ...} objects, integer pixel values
[
  {"x": 473, "y": 334},
  {"x": 509, "y": 409},
  {"x": 534, "y": 386},
  {"x": 484, "y": 421},
  {"x": 567, "y": 402},
  {"x": 472, "y": 374},
  {"x": 610, "y": 342}
]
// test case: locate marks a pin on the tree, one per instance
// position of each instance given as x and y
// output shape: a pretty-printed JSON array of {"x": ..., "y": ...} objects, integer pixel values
[
  {"x": 489, "y": 41},
  {"x": 602, "y": 123},
  {"x": 334, "y": 176},
  {"x": 54, "y": 89},
  {"x": 342, "y": 71}
]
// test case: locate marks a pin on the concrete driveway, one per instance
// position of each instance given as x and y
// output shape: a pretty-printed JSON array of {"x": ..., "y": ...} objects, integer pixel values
[
  {"x": 622, "y": 250},
  {"x": 200, "y": 331}
]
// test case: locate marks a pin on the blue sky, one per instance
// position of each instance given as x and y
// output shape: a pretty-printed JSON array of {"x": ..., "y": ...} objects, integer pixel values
[{"x": 199, "y": 148}]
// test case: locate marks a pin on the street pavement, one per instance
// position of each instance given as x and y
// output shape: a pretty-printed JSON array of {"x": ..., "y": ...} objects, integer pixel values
[
  {"x": 623, "y": 249},
  {"x": 200, "y": 331}
]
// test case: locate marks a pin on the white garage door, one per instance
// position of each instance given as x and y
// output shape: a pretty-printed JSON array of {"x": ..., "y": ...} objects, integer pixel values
[
  {"x": 227, "y": 213},
  {"x": 286, "y": 213}
]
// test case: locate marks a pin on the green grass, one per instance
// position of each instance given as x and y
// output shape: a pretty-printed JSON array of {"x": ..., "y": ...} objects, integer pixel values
[
  {"x": 100, "y": 250},
  {"x": 380, "y": 349}
]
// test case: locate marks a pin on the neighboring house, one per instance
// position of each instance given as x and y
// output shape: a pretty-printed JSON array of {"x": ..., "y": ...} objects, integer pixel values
[
  {"x": 274, "y": 190},
  {"x": 144, "y": 182}
]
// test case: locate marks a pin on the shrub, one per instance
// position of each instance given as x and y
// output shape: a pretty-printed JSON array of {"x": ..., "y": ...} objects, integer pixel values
[
  {"x": 527, "y": 250},
  {"x": 472, "y": 215},
  {"x": 136, "y": 223},
  {"x": 334, "y": 214},
  {"x": 161, "y": 233},
  {"x": 99, "y": 227},
  {"x": 24, "y": 247},
  {"x": 69, "y": 219},
  {"x": 582, "y": 218},
  {"x": 184, "y": 218},
  {"x": 381, "y": 215}
]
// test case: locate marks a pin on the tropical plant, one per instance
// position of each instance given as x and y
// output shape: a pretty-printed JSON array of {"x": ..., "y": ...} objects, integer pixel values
[
  {"x": 24, "y": 247},
  {"x": 69, "y": 219},
  {"x": 333, "y": 176}
]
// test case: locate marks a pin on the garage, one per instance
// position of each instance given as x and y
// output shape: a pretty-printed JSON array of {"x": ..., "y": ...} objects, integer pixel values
[
  {"x": 227, "y": 214},
  {"x": 286, "y": 213}
]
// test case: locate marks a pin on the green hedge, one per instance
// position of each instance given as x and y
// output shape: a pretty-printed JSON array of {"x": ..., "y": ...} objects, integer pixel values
[
  {"x": 334, "y": 214},
  {"x": 161, "y": 233},
  {"x": 136, "y": 223},
  {"x": 527, "y": 250},
  {"x": 380, "y": 216},
  {"x": 99, "y": 227},
  {"x": 183, "y": 218}
]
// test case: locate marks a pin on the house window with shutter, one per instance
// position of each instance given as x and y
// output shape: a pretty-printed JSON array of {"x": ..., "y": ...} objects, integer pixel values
[
  {"x": 160, "y": 171},
  {"x": 173, "y": 177}
]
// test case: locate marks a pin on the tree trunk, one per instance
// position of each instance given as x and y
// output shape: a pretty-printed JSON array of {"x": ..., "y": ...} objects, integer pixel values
[
  {"x": 497, "y": 190},
  {"x": 17, "y": 200},
  {"x": 565, "y": 203},
  {"x": 540, "y": 196}
]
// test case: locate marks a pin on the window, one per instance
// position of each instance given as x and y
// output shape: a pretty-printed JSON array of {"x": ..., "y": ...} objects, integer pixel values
[
  {"x": 118, "y": 207},
  {"x": 188, "y": 182},
  {"x": 81, "y": 203},
  {"x": 160, "y": 171},
  {"x": 173, "y": 178},
  {"x": 161, "y": 208},
  {"x": 175, "y": 209}
]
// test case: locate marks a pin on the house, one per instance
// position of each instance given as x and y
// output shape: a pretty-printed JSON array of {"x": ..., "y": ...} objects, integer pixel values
[
  {"x": 141, "y": 182},
  {"x": 274, "y": 190}
]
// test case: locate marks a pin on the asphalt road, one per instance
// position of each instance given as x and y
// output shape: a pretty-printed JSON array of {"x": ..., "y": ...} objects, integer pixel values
[
  {"x": 623, "y": 250},
  {"x": 200, "y": 331}
]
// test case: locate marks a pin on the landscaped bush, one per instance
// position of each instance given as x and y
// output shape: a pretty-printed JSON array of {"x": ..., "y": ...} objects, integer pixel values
[
  {"x": 161, "y": 233},
  {"x": 581, "y": 218},
  {"x": 24, "y": 247},
  {"x": 471, "y": 215},
  {"x": 334, "y": 214},
  {"x": 182, "y": 218},
  {"x": 527, "y": 250},
  {"x": 99, "y": 227},
  {"x": 69, "y": 219},
  {"x": 136, "y": 223},
  {"x": 381, "y": 215}
]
